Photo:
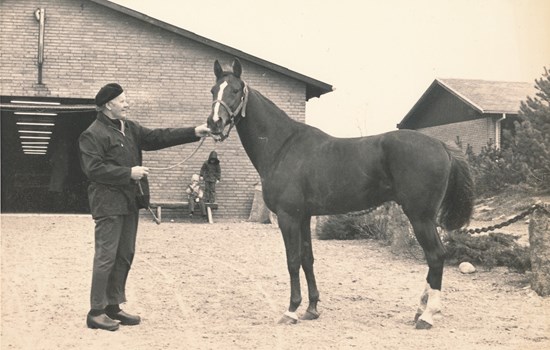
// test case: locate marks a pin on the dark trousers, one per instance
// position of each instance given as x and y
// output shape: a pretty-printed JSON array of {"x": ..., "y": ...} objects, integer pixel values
[
  {"x": 210, "y": 191},
  {"x": 115, "y": 241},
  {"x": 192, "y": 205}
]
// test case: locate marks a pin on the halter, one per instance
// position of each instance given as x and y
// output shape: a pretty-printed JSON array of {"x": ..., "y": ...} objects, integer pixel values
[{"x": 241, "y": 109}]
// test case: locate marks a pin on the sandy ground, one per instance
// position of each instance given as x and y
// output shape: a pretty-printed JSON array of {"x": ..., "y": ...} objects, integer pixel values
[{"x": 225, "y": 286}]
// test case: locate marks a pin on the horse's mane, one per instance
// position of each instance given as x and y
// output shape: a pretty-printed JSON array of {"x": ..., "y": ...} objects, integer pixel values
[{"x": 270, "y": 103}]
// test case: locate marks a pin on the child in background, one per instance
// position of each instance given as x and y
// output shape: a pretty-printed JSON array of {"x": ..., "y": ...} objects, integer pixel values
[{"x": 195, "y": 196}]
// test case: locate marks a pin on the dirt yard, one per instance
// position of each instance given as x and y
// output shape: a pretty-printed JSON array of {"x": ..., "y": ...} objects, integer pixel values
[{"x": 225, "y": 286}]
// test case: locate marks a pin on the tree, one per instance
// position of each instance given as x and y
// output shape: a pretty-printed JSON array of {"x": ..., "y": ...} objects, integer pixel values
[{"x": 530, "y": 146}]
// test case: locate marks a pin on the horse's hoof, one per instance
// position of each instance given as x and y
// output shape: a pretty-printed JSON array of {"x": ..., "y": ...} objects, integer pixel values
[
  {"x": 417, "y": 316},
  {"x": 421, "y": 324},
  {"x": 308, "y": 316},
  {"x": 288, "y": 320}
]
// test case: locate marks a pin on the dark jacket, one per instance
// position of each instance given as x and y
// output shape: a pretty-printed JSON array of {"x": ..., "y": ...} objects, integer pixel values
[
  {"x": 210, "y": 169},
  {"x": 107, "y": 156}
]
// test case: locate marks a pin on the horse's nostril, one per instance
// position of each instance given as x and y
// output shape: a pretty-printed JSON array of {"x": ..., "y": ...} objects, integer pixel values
[{"x": 214, "y": 125}]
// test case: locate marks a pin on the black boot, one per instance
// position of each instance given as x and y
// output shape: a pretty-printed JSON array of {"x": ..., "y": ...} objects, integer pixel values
[
  {"x": 114, "y": 312},
  {"x": 97, "y": 319}
]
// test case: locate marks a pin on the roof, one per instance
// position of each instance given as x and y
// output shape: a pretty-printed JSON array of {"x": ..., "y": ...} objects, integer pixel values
[
  {"x": 482, "y": 95},
  {"x": 490, "y": 96},
  {"x": 314, "y": 87}
]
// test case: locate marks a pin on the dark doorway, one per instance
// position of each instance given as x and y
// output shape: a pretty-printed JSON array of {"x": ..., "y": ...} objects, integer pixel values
[{"x": 40, "y": 164}]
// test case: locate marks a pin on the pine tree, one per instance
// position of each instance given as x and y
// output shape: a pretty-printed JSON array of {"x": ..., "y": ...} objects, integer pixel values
[{"x": 531, "y": 143}]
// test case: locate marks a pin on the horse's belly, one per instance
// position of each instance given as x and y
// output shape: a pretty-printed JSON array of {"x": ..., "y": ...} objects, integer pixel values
[{"x": 353, "y": 198}]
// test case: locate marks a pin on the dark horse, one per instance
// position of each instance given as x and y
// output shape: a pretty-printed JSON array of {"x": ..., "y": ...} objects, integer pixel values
[{"x": 306, "y": 172}]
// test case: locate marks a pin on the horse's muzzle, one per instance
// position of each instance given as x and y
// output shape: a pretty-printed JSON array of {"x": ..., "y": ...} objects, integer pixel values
[{"x": 216, "y": 127}]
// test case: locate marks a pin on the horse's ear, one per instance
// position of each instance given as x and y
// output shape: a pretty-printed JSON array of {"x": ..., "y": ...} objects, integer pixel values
[
  {"x": 218, "y": 70},
  {"x": 237, "y": 68}
]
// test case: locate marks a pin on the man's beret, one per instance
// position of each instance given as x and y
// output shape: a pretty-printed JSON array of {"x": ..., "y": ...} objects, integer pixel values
[{"x": 107, "y": 93}]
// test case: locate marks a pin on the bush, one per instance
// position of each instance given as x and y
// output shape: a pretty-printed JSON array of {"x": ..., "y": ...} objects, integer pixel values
[
  {"x": 387, "y": 224},
  {"x": 531, "y": 142},
  {"x": 341, "y": 227},
  {"x": 493, "y": 169}
]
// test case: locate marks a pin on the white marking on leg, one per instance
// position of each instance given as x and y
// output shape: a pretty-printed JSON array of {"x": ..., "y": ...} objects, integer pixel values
[
  {"x": 291, "y": 315},
  {"x": 433, "y": 307},
  {"x": 423, "y": 300},
  {"x": 217, "y": 104}
]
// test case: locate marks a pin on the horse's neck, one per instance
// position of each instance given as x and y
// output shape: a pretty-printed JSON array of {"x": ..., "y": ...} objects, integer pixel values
[{"x": 263, "y": 131}]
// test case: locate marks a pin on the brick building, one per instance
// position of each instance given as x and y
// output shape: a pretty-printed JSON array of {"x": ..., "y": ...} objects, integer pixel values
[
  {"x": 55, "y": 56},
  {"x": 472, "y": 111}
]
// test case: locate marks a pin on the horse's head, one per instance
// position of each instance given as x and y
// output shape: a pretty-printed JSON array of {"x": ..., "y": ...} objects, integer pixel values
[{"x": 229, "y": 96}]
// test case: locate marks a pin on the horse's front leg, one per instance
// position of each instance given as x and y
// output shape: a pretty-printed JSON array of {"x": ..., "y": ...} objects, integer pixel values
[
  {"x": 307, "y": 265},
  {"x": 290, "y": 228}
]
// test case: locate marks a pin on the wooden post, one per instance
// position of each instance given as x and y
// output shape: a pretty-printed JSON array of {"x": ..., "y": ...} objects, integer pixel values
[
  {"x": 210, "y": 219},
  {"x": 539, "y": 241},
  {"x": 159, "y": 213}
]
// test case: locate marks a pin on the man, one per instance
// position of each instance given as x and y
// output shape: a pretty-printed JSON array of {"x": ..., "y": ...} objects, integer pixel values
[{"x": 111, "y": 158}]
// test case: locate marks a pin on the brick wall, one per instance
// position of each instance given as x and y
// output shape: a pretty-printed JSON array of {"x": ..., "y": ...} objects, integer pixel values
[
  {"x": 167, "y": 79},
  {"x": 474, "y": 132}
]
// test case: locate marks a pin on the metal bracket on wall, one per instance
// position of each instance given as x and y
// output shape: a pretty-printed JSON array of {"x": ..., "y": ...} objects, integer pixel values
[{"x": 40, "y": 15}]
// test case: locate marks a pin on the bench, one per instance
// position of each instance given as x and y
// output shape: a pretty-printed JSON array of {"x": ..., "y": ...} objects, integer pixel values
[{"x": 181, "y": 205}]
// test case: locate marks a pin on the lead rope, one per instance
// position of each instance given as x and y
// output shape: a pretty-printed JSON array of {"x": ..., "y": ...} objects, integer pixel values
[
  {"x": 157, "y": 221},
  {"x": 155, "y": 218},
  {"x": 241, "y": 108},
  {"x": 183, "y": 161}
]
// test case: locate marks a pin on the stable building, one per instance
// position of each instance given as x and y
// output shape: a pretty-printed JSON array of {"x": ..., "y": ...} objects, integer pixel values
[
  {"x": 472, "y": 112},
  {"x": 55, "y": 56}
]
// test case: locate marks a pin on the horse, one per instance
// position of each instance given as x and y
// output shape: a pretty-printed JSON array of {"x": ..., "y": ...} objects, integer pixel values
[{"x": 306, "y": 172}]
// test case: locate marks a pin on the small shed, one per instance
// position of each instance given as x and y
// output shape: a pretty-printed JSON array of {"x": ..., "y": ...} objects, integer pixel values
[{"x": 473, "y": 112}]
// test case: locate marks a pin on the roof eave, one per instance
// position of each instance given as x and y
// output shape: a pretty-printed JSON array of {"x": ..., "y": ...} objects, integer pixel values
[
  {"x": 490, "y": 111},
  {"x": 405, "y": 119}
]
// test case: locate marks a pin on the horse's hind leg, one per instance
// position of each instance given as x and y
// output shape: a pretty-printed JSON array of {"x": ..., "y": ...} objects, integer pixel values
[
  {"x": 291, "y": 230},
  {"x": 430, "y": 302},
  {"x": 307, "y": 265}
]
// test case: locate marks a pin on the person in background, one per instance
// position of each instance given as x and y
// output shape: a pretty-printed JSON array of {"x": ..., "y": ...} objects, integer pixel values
[
  {"x": 211, "y": 174},
  {"x": 195, "y": 196},
  {"x": 111, "y": 157}
]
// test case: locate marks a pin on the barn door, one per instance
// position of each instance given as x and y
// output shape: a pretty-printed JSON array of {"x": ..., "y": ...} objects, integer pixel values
[{"x": 40, "y": 165}]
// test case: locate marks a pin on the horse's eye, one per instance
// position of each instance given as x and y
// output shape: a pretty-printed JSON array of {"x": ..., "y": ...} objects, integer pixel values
[{"x": 236, "y": 91}]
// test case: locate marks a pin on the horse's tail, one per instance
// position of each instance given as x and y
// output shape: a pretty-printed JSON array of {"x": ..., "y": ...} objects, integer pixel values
[{"x": 458, "y": 204}]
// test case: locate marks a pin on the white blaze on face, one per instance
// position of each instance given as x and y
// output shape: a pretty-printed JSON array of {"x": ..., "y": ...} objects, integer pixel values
[{"x": 219, "y": 98}]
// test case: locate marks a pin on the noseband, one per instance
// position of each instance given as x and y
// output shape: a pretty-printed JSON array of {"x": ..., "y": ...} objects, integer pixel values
[{"x": 241, "y": 109}]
